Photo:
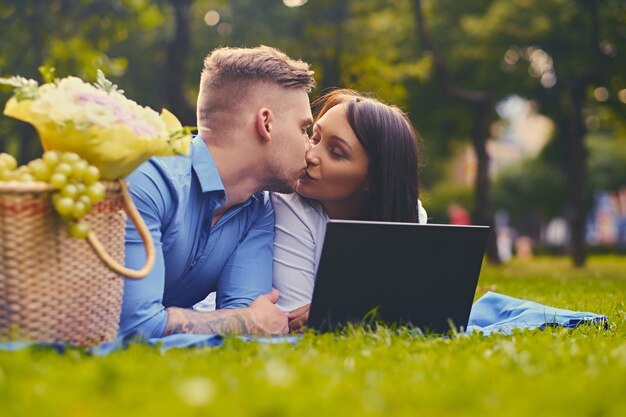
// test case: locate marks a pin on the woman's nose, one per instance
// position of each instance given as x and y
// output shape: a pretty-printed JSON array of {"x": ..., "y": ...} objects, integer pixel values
[{"x": 311, "y": 156}]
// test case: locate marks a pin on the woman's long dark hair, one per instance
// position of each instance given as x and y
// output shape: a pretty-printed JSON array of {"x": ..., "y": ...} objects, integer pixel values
[{"x": 391, "y": 144}]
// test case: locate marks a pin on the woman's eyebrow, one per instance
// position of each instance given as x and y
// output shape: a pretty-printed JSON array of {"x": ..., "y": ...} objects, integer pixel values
[
  {"x": 334, "y": 137},
  {"x": 345, "y": 142}
]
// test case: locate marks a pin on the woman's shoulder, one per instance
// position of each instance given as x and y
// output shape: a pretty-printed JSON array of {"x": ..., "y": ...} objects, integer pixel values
[{"x": 296, "y": 205}]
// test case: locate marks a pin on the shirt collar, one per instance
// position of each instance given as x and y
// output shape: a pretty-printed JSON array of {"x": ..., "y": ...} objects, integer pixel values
[{"x": 204, "y": 165}]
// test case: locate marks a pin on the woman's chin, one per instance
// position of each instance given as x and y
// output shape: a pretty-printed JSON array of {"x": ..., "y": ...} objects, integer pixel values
[{"x": 301, "y": 188}]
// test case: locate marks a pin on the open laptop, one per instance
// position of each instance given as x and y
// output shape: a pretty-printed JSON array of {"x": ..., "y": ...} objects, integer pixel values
[{"x": 423, "y": 275}]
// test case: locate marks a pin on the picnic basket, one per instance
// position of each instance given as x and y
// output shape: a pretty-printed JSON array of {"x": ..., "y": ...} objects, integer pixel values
[{"x": 59, "y": 289}]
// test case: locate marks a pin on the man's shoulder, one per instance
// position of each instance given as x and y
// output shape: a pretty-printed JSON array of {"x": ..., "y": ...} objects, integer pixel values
[{"x": 168, "y": 167}]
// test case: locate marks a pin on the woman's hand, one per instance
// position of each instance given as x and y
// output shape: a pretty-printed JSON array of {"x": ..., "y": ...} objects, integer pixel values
[{"x": 298, "y": 317}]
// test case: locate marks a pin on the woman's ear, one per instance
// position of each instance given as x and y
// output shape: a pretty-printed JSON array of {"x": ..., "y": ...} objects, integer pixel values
[{"x": 264, "y": 123}]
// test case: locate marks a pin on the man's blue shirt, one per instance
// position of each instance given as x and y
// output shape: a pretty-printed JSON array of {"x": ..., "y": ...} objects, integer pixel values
[{"x": 177, "y": 196}]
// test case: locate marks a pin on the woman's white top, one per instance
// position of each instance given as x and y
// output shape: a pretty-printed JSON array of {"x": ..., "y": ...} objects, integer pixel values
[{"x": 299, "y": 235}]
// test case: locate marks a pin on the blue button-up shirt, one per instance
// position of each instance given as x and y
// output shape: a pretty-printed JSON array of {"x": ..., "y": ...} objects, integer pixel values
[{"x": 177, "y": 196}]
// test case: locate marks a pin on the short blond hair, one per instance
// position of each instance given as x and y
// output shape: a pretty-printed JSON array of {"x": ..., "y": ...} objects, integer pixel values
[{"x": 230, "y": 74}]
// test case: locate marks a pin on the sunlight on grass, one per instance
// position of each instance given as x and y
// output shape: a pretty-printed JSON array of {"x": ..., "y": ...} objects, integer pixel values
[{"x": 556, "y": 372}]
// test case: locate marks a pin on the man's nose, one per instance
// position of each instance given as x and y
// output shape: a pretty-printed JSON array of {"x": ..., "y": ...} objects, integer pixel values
[{"x": 307, "y": 144}]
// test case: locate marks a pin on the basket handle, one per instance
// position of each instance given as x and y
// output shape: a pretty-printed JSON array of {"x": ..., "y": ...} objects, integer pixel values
[{"x": 148, "y": 244}]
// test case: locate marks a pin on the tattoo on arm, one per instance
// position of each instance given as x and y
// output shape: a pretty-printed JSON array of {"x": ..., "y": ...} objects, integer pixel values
[{"x": 183, "y": 320}]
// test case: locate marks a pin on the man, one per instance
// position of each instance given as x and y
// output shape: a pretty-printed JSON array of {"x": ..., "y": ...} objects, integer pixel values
[{"x": 211, "y": 224}]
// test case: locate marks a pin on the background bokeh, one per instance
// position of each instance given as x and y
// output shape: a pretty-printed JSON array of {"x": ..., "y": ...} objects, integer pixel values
[{"x": 520, "y": 104}]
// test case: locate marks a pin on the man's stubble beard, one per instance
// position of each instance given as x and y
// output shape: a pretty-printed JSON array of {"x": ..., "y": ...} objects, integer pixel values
[{"x": 280, "y": 184}]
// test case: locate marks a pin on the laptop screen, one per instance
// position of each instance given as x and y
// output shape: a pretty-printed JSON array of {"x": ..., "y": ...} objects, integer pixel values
[{"x": 422, "y": 275}]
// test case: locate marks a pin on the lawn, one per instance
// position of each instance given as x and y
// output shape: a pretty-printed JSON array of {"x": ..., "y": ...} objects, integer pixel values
[{"x": 556, "y": 372}]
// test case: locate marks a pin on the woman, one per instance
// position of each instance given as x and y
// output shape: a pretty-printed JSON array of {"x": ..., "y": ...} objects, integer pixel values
[{"x": 363, "y": 165}]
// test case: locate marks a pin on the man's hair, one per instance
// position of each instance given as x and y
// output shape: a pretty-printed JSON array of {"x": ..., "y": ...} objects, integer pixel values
[
  {"x": 391, "y": 144},
  {"x": 229, "y": 75}
]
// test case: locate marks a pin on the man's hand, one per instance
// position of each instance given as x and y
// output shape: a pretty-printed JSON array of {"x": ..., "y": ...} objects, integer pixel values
[
  {"x": 298, "y": 317},
  {"x": 267, "y": 318}
]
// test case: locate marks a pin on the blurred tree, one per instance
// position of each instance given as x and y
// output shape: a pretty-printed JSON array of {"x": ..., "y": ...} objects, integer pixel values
[
  {"x": 570, "y": 47},
  {"x": 177, "y": 57},
  {"x": 528, "y": 47},
  {"x": 482, "y": 100},
  {"x": 74, "y": 36}
]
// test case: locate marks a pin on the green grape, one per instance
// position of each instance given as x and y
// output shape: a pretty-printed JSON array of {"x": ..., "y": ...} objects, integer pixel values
[
  {"x": 64, "y": 205},
  {"x": 79, "y": 210},
  {"x": 8, "y": 161},
  {"x": 39, "y": 170},
  {"x": 91, "y": 175},
  {"x": 70, "y": 190},
  {"x": 51, "y": 158},
  {"x": 7, "y": 175},
  {"x": 58, "y": 180},
  {"x": 86, "y": 201},
  {"x": 78, "y": 230},
  {"x": 63, "y": 168},
  {"x": 70, "y": 157},
  {"x": 95, "y": 192},
  {"x": 78, "y": 168},
  {"x": 26, "y": 177},
  {"x": 76, "y": 181}
]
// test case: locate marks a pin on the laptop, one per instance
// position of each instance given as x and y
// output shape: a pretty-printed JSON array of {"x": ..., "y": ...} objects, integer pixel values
[{"x": 422, "y": 275}]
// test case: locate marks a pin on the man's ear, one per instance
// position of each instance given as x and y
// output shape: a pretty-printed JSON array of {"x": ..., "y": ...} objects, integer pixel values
[{"x": 264, "y": 123}]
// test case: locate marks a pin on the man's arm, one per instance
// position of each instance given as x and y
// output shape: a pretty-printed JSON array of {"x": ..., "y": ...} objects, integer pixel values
[
  {"x": 248, "y": 272},
  {"x": 262, "y": 317},
  {"x": 142, "y": 308},
  {"x": 246, "y": 279}
]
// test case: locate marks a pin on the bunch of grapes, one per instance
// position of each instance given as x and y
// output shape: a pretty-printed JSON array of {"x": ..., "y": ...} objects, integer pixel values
[{"x": 75, "y": 181}]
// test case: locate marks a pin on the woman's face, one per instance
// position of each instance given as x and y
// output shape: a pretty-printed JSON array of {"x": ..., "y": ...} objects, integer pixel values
[{"x": 337, "y": 163}]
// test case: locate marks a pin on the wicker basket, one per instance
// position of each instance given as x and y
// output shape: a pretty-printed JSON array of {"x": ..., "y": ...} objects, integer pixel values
[{"x": 55, "y": 288}]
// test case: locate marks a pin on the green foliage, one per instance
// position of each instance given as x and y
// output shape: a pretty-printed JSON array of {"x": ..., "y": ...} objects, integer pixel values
[
  {"x": 105, "y": 85},
  {"x": 542, "y": 182},
  {"x": 607, "y": 162},
  {"x": 23, "y": 88},
  {"x": 437, "y": 200},
  {"x": 556, "y": 372},
  {"x": 532, "y": 180}
]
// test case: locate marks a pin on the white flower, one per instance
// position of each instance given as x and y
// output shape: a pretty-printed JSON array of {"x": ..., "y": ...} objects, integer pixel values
[
  {"x": 98, "y": 114},
  {"x": 72, "y": 101}
]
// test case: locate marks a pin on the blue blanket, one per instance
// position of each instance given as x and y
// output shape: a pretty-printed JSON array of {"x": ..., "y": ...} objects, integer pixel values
[
  {"x": 499, "y": 313},
  {"x": 492, "y": 313}
]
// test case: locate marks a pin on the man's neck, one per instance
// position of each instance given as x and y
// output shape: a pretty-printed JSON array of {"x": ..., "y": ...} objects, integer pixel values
[{"x": 238, "y": 173}]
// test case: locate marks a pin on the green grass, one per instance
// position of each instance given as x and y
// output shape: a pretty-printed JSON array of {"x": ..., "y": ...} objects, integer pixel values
[{"x": 557, "y": 372}]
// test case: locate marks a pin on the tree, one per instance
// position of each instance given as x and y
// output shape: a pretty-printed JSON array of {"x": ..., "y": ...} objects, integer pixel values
[
  {"x": 482, "y": 102},
  {"x": 74, "y": 36},
  {"x": 568, "y": 63}
]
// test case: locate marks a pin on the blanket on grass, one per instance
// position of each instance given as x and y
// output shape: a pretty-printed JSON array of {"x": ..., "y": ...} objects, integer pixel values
[{"x": 492, "y": 313}]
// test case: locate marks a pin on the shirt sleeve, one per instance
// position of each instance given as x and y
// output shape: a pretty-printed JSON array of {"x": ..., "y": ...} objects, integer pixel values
[
  {"x": 422, "y": 216},
  {"x": 295, "y": 262},
  {"x": 142, "y": 308},
  {"x": 248, "y": 271}
]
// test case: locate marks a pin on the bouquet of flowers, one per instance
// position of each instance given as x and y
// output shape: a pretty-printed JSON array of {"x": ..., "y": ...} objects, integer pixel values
[{"x": 97, "y": 122}]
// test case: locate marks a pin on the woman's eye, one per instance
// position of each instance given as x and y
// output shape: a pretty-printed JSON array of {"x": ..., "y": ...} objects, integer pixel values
[
  {"x": 315, "y": 138},
  {"x": 337, "y": 152}
]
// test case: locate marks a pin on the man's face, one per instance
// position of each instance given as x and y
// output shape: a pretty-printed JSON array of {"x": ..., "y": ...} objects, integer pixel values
[{"x": 292, "y": 119}]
